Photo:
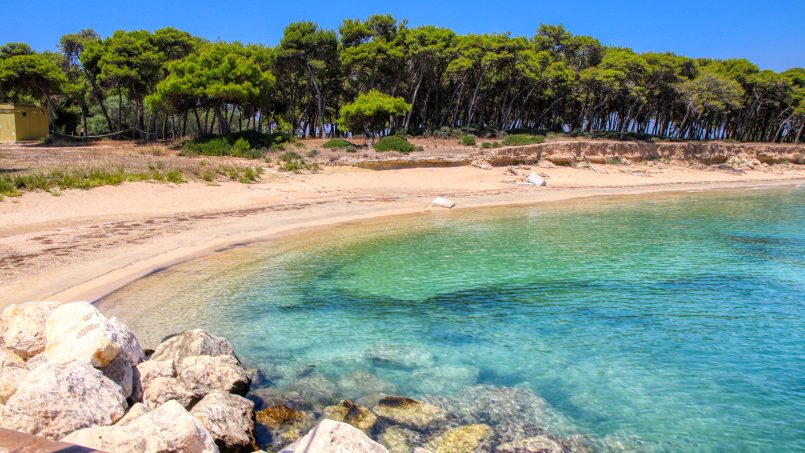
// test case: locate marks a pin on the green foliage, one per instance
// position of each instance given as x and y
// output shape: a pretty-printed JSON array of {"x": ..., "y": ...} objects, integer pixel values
[
  {"x": 370, "y": 112},
  {"x": 468, "y": 140},
  {"x": 394, "y": 143},
  {"x": 522, "y": 139},
  {"x": 292, "y": 161},
  {"x": 248, "y": 144},
  {"x": 339, "y": 143}
]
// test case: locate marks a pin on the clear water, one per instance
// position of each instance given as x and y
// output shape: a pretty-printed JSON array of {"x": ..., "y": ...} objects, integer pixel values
[{"x": 675, "y": 323}]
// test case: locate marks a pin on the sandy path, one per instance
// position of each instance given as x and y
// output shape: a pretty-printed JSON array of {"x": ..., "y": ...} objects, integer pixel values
[{"x": 83, "y": 244}]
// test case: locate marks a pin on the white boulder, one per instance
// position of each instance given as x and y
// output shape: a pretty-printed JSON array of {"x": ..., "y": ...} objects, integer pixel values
[
  {"x": 170, "y": 428},
  {"x": 221, "y": 372},
  {"x": 190, "y": 343},
  {"x": 163, "y": 389},
  {"x": 136, "y": 411},
  {"x": 330, "y": 436},
  {"x": 22, "y": 327},
  {"x": 55, "y": 400},
  {"x": 441, "y": 202},
  {"x": 79, "y": 332},
  {"x": 228, "y": 418},
  {"x": 146, "y": 372},
  {"x": 536, "y": 180}
]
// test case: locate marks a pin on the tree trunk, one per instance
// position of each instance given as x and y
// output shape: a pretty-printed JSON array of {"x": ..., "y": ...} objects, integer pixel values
[{"x": 223, "y": 125}]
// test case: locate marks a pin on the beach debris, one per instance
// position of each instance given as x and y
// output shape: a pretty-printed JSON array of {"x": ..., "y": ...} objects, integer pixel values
[
  {"x": 168, "y": 428},
  {"x": 441, "y": 202},
  {"x": 349, "y": 412},
  {"x": 536, "y": 444},
  {"x": 536, "y": 180},
  {"x": 464, "y": 439},
  {"x": 22, "y": 327},
  {"x": 193, "y": 343},
  {"x": 410, "y": 413},
  {"x": 333, "y": 436},
  {"x": 587, "y": 165},
  {"x": 57, "y": 399},
  {"x": 228, "y": 418}
]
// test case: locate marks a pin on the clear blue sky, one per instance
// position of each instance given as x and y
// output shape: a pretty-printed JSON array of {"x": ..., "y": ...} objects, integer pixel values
[{"x": 771, "y": 33}]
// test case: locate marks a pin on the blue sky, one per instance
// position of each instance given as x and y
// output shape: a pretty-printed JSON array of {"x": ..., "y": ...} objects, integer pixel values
[{"x": 771, "y": 33}]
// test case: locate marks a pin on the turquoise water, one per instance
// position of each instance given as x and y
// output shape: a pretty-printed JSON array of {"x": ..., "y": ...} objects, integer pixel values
[{"x": 675, "y": 323}]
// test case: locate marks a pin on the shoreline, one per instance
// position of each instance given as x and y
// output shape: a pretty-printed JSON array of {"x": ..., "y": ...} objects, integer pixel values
[{"x": 167, "y": 234}]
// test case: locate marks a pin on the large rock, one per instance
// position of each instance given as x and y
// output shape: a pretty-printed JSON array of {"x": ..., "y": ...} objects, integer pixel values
[
  {"x": 58, "y": 399},
  {"x": 145, "y": 372},
  {"x": 464, "y": 439},
  {"x": 136, "y": 411},
  {"x": 330, "y": 436},
  {"x": 170, "y": 428},
  {"x": 279, "y": 415},
  {"x": 192, "y": 343},
  {"x": 120, "y": 372},
  {"x": 349, "y": 412},
  {"x": 410, "y": 412},
  {"x": 536, "y": 180},
  {"x": 441, "y": 202},
  {"x": 229, "y": 419},
  {"x": 130, "y": 348},
  {"x": 221, "y": 372},
  {"x": 79, "y": 332},
  {"x": 536, "y": 444},
  {"x": 163, "y": 389},
  {"x": 22, "y": 327},
  {"x": 12, "y": 372}
]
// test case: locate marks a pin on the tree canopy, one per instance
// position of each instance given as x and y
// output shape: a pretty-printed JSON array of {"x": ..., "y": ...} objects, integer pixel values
[{"x": 359, "y": 78}]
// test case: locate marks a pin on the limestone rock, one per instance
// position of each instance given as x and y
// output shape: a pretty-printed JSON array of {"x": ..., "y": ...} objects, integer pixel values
[
  {"x": 58, "y": 399},
  {"x": 22, "y": 327},
  {"x": 229, "y": 420},
  {"x": 135, "y": 411},
  {"x": 481, "y": 163},
  {"x": 349, "y": 412},
  {"x": 130, "y": 348},
  {"x": 536, "y": 180},
  {"x": 441, "y": 202},
  {"x": 279, "y": 415},
  {"x": 145, "y": 372},
  {"x": 221, "y": 372},
  {"x": 464, "y": 439},
  {"x": 192, "y": 343},
  {"x": 79, "y": 332},
  {"x": 163, "y": 389},
  {"x": 330, "y": 436},
  {"x": 9, "y": 359},
  {"x": 410, "y": 412},
  {"x": 12, "y": 372},
  {"x": 35, "y": 361},
  {"x": 536, "y": 444},
  {"x": 399, "y": 440},
  {"x": 120, "y": 372},
  {"x": 170, "y": 428}
]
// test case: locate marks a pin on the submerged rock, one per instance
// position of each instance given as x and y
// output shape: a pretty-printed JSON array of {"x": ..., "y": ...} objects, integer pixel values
[
  {"x": 79, "y": 332},
  {"x": 464, "y": 439},
  {"x": 536, "y": 444},
  {"x": 335, "y": 437},
  {"x": 229, "y": 419},
  {"x": 170, "y": 428},
  {"x": 410, "y": 412},
  {"x": 349, "y": 412},
  {"x": 58, "y": 399},
  {"x": 400, "y": 440},
  {"x": 279, "y": 415},
  {"x": 441, "y": 202},
  {"x": 205, "y": 373},
  {"x": 193, "y": 343},
  {"x": 22, "y": 327},
  {"x": 400, "y": 356},
  {"x": 443, "y": 379}
]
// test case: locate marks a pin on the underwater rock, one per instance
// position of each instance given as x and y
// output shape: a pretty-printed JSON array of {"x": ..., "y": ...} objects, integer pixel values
[
  {"x": 55, "y": 400},
  {"x": 349, "y": 412},
  {"x": 170, "y": 428},
  {"x": 229, "y": 419},
  {"x": 335, "y": 437},
  {"x": 362, "y": 383},
  {"x": 536, "y": 444},
  {"x": 464, "y": 439},
  {"x": 410, "y": 412},
  {"x": 272, "y": 396},
  {"x": 204, "y": 373},
  {"x": 400, "y": 356},
  {"x": 279, "y": 415},
  {"x": 400, "y": 440},
  {"x": 443, "y": 379},
  {"x": 315, "y": 388},
  {"x": 193, "y": 343},
  {"x": 441, "y": 202},
  {"x": 22, "y": 327}
]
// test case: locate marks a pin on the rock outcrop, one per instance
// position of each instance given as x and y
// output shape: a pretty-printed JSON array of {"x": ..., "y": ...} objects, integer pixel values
[
  {"x": 22, "y": 327},
  {"x": 55, "y": 400},
  {"x": 168, "y": 428},
  {"x": 335, "y": 437},
  {"x": 229, "y": 419}
]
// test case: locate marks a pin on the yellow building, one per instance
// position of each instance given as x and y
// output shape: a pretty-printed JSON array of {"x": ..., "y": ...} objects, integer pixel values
[{"x": 20, "y": 122}]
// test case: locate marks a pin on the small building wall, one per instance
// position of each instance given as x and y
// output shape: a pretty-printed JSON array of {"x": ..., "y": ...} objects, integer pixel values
[{"x": 22, "y": 122}]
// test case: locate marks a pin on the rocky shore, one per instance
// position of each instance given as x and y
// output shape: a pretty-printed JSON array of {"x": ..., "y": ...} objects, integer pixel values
[{"x": 70, "y": 374}]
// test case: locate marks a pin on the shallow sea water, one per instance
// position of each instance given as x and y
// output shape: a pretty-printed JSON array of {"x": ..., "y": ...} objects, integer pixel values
[{"x": 667, "y": 323}]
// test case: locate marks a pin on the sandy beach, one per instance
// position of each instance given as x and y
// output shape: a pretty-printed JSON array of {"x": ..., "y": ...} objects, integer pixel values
[{"x": 81, "y": 245}]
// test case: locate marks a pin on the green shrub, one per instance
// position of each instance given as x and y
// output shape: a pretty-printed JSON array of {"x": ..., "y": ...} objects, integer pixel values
[
  {"x": 487, "y": 145},
  {"x": 313, "y": 153},
  {"x": 241, "y": 146},
  {"x": 249, "y": 144},
  {"x": 394, "y": 143},
  {"x": 293, "y": 162},
  {"x": 468, "y": 140},
  {"x": 522, "y": 139},
  {"x": 616, "y": 160},
  {"x": 339, "y": 143}
]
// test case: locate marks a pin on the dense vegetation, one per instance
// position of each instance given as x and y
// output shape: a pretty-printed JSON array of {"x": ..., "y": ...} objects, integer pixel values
[{"x": 379, "y": 77}]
